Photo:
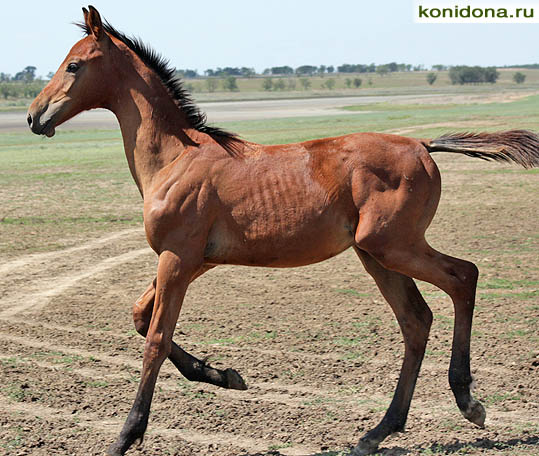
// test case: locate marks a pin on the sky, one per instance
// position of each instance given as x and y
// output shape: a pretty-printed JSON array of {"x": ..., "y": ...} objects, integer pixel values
[{"x": 264, "y": 33}]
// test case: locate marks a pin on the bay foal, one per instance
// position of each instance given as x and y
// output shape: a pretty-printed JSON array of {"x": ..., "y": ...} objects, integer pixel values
[{"x": 211, "y": 198}]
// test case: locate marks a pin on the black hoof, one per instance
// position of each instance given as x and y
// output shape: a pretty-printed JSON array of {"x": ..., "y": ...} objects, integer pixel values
[
  {"x": 475, "y": 413},
  {"x": 364, "y": 447},
  {"x": 114, "y": 450},
  {"x": 234, "y": 380}
]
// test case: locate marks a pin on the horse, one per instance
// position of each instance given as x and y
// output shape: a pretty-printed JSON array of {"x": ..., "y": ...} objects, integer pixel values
[{"x": 212, "y": 198}]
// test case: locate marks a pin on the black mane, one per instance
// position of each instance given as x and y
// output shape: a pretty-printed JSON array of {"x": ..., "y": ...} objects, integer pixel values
[{"x": 174, "y": 85}]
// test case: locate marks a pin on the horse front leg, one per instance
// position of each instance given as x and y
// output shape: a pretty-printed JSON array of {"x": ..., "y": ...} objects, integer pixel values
[
  {"x": 173, "y": 277},
  {"x": 190, "y": 367}
]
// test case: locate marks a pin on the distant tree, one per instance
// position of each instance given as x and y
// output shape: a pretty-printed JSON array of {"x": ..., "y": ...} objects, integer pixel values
[
  {"x": 431, "y": 78},
  {"x": 5, "y": 91},
  {"x": 305, "y": 83},
  {"x": 50, "y": 75},
  {"x": 282, "y": 70},
  {"x": 5, "y": 77},
  {"x": 187, "y": 74},
  {"x": 392, "y": 67},
  {"x": 330, "y": 69},
  {"x": 212, "y": 84},
  {"x": 519, "y": 77},
  {"x": 382, "y": 70},
  {"x": 306, "y": 70},
  {"x": 230, "y": 83},
  {"x": 418, "y": 68},
  {"x": 27, "y": 75},
  {"x": 279, "y": 84},
  {"x": 267, "y": 84},
  {"x": 329, "y": 84},
  {"x": 466, "y": 74},
  {"x": 348, "y": 82},
  {"x": 322, "y": 69},
  {"x": 209, "y": 72},
  {"x": 439, "y": 67},
  {"x": 357, "y": 82},
  {"x": 266, "y": 71},
  {"x": 369, "y": 82}
]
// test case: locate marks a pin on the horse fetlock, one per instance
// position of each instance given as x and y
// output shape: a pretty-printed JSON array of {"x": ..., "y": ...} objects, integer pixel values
[
  {"x": 475, "y": 413},
  {"x": 234, "y": 380}
]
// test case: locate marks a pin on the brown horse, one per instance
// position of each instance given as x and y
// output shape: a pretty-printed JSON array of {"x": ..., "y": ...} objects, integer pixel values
[{"x": 211, "y": 198}]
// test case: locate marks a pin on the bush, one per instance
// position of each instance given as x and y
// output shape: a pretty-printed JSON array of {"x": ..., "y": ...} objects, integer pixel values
[
  {"x": 329, "y": 84},
  {"x": 431, "y": 78},
  {"x": 230, "y": 83},
  {"x": 267, "y": 84},
  {"x": 519, "y": 77},
  {"x": 279, "y": 84},
  {"x": 357, "y": 82},
  {"x": 305, "y": 83},
  {"x": 211, "y": 84},
  {"x": 476, "y": 74}
]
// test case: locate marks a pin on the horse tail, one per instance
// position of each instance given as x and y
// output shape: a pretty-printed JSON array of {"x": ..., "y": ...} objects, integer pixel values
[{"x": 519, "y": 146}]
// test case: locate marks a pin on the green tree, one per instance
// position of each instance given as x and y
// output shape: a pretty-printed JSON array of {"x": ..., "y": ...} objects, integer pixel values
[
  {"x": 519, "y": 77},
  {"x": 279, "y": 84},
  {"x": 305, "y": 83},
  {"x": 382, "y": 70},
  {"x": 329, "y": 84},
  {"x": 27, "y": 75},
  {"x": 267, "y": 84},
  {"x": 212, "y": 84},
  {"x": 431, "y": 78},
  {"x": 230, "y": 83},
  {"x": 357, "y": 82},
  {"x": 348, "y": 82}
]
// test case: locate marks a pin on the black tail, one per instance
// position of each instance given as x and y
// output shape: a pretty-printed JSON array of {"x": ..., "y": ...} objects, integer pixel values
[{"x": 519, "y": 146}]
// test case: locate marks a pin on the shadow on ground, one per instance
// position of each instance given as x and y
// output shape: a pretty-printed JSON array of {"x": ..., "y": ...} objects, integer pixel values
[{"x": 434, "y": 449}]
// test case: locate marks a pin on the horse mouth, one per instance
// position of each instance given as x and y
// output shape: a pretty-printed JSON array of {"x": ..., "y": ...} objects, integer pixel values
[{"x": 48, "y": 129}]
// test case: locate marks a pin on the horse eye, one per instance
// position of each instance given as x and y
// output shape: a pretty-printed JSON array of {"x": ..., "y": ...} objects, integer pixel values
[{"x": 72, "y": 68}]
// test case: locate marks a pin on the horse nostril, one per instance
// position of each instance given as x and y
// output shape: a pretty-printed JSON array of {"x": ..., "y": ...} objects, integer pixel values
[{"x": 29, "y": 120}]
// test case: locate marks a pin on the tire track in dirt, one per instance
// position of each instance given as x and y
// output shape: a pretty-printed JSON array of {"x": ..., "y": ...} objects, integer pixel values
[
  {"x": 38, "y": 257},
  {"x": 112, "y": 427},
  {"x": 21, "y": 301}
]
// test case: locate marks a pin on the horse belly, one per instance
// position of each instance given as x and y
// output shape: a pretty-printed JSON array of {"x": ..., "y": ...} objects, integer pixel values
[{"x": 288, "y": 237}]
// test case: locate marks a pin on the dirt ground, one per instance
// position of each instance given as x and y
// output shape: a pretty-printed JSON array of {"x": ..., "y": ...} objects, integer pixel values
[{"x": 318, "y": 346}]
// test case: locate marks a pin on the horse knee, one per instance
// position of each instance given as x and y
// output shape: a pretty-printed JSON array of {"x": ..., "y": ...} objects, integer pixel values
[{"x": 158, "y": 347}]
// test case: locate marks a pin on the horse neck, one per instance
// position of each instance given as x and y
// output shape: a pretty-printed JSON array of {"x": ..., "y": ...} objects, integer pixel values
[{"x": 154, "y": 130}]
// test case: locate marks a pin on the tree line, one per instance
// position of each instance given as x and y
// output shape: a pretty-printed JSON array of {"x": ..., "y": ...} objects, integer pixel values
[{"x": 25, "y": 83}]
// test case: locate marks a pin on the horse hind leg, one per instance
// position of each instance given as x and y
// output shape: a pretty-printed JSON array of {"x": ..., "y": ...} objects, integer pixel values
[
  {"x": 191, "y": 368},
  {"x": 458, "y": 278},
  {"x": 415, "y": 318}
]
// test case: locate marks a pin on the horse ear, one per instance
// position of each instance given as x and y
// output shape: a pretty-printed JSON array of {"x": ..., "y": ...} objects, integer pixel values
[
  {"x": 93, "y": 21},
  {"x": 85, "y": 12}
]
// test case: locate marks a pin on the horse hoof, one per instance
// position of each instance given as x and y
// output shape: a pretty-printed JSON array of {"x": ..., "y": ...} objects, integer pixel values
[
  {"x": 113, "y": 450},
  {"x": 363, "y": 448},
  {"x": 475, "y": 413},
  {"x": 234, "y": 380}
]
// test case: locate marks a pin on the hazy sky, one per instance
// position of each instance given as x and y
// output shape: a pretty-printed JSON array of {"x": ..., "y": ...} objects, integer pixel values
[{"x": 263, "y": 33}]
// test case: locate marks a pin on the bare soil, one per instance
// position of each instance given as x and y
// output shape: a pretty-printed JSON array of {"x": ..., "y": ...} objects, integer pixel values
[{"x": 318, "y": 346}]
